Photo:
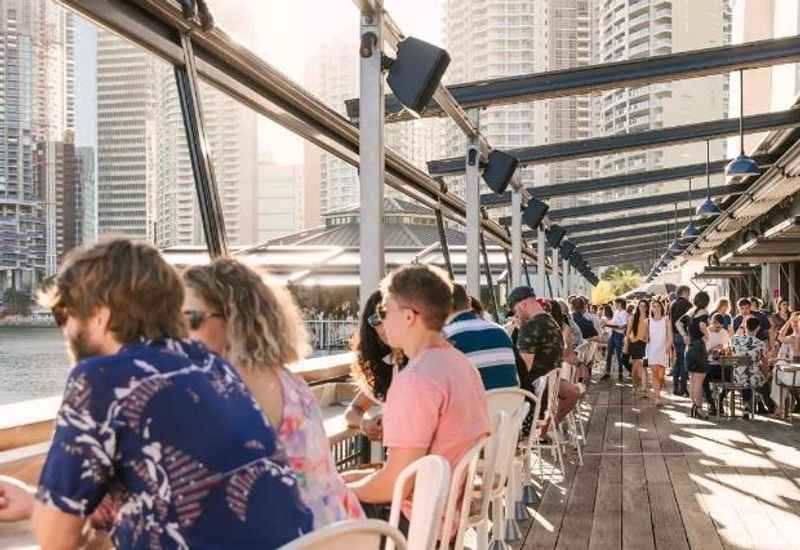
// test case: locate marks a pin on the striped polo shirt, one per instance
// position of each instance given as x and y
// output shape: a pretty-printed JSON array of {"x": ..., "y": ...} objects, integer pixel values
[{"x": 488, "y": 348}]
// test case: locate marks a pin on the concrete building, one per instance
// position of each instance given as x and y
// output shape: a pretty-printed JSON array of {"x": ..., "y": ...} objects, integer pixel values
[
  {"x": 645, "y": 28},
  {"x": 37, "y": 88},
  {"x": 55, "y": 165},
  {"x": 279, "y": 199},
  {"x": 86, "y": 196},
  {"x": 127, "y": 150}
]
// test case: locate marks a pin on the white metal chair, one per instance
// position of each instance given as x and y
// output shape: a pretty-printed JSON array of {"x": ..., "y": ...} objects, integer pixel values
[
  {"x": 553, "y": 381},
  {"x": 461, "y": 483},
  {"x": 349, "y": 535},
  {"x": 431, "y": 483},
  {"x": 572, "y": 422}
]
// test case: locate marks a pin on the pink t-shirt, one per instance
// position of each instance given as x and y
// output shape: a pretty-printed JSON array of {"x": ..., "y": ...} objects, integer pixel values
[{"x": 438, "y": 403}]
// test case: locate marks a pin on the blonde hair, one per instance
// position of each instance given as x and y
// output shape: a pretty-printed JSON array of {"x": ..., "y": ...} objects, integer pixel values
[
  {"x": 264, "y": 324},
  {"x": 142, "y": 291},
  {"x": 425, "y": 287}
]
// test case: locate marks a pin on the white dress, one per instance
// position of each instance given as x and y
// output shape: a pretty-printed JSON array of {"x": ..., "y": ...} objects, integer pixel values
[{"x": 657, "y": 343}]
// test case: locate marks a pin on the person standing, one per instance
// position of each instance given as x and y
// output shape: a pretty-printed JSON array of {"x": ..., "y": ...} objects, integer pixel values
[
  {"x": 618, "y": 326},
  {"x": 637, "y": 345},
  {"x": 696, "y": 354},
  {"x": 677, "y": 309},
  {"x": 659, "y": 347}
]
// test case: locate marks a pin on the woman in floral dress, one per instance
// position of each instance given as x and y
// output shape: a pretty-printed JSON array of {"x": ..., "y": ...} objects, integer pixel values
[{"x": 255, "y": 324}]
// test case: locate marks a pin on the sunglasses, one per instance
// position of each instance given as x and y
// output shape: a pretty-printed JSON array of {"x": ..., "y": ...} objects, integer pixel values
[
  {"x": 375, "y": 320},
  {"x": 196, "y": 318}
]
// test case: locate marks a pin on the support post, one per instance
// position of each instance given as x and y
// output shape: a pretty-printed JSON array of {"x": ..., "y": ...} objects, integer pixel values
[
  {"x": 527, "y": 275},
  {"x": 209, "y": 203},
  {"x": 473, "y": 204},
  {"x": 443, "y": 243},
  {"x": 371, "y": 154},
  {"x": 565, "y": 279},
  {"x": 488, "y": 268},
  {"x": 541, "y": 266},
  {"x": 556, "y": 287},
  {"x": 516, "y": 237},
  {"x": 509, "y": 281}
]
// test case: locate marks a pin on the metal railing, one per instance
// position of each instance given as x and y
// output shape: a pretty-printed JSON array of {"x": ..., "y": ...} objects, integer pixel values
[{"x": 330, "y": 335}]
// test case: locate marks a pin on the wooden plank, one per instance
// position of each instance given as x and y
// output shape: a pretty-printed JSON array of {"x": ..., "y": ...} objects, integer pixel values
[
  {"x": 606, "y": 532},
  {"x": 547, "y": 519},
  {"x": 577, "y": 525},
  {"x": 699, "y": 528},
  {"x": 668, "y": 530},
  {"x": 637, "y": 530}
]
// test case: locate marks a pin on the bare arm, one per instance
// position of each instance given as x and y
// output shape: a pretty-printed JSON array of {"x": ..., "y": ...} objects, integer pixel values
[
  {"x": 360, "y": 404},
  {"x": 377, "y": 488},
  {"x": 56, "y": 530}
]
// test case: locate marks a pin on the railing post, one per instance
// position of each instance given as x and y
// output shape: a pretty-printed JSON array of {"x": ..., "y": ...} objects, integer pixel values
[
  {"x": 443, "y": 243},
  {"x": 472, "y": 193},
  {"x": 565, "y": 279},
  {"x": 208, "y": 200},
  {"x": 555, "y": 288},
  {"x": 516, "y": 237},
  {"x": 371, "y": 154},
  {"x": 541, "y": 267}
]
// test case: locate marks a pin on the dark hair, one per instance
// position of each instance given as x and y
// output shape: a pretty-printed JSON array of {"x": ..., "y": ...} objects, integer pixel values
[
  {"x": 719, "y": 318},
  {"x": 743, "y": 302},
  {"x": 621, "y": 303},
  {"x": 661, "y": 306},
  {"x": 701, "y": 300},
  {"x": 460, "y": 298},
  {"x": 426, "y": 288},
  {"x": 781, "y": 302},
  {"x": 369, "y": 367},
  {"x": 476, "y": 306},
  {"x": 637, "y": 313},
  {"x": 752, "y": 324},
  {"x": 555, "y": 311},
  {"x": 756, "y": 301},
  {"x": 608, "y": 313},
  {"x": 682, "y": 290}
]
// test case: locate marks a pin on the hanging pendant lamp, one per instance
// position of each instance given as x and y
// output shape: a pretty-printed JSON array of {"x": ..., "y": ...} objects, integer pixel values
[
  {"x": 742, "y": 166},
  {"x": 709, "y": 207},
  {"x": 690, "y": 232}
]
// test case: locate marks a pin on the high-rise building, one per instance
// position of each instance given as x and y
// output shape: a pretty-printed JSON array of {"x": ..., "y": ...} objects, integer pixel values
[
  {"x": 86, "y": 193},
  {"x": 279, "y": 198},
  {"x": 55, "y": 166},
  {"x": 644, "y": 28},
  {"x": 127, "y": 147},
  {"x": 37, "y": 90},
  {"x": 332, "y": 74}
]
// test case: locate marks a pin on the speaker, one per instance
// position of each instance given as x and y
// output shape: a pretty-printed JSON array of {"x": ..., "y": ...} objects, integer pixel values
[
  {"x": 534, "y": 213},
  {"x": 567, "y": 249},
  {"x": 500, "y": 168},
  {"x": 416, "y": 72},
  {"x": 555, "y": 234}
]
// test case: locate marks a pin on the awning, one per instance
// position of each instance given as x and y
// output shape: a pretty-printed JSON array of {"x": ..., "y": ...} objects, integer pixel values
[
  {"x": 727, "y": 272},
  {"x": 779, "y": 244}
]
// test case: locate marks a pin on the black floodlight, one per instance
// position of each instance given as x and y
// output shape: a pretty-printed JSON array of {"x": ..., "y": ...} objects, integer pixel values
[
  {"x": 500, "y": 168},
  {"x": 416, "y": 72},
  {"x": 567, "y": 249},
  {"x": 555, "y": 234},
  {"x": 535, "y": 212}
]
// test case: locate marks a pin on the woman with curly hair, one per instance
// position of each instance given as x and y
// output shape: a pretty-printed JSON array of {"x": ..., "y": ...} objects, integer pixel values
[
  {"x": 254, "y": 323},
  {"x": 375, "y": 365}
]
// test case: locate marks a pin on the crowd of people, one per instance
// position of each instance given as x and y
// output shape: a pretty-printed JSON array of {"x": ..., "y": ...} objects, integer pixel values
[
  {"x": 182, "y": 426},
  {"x": 653, "y": 334}
]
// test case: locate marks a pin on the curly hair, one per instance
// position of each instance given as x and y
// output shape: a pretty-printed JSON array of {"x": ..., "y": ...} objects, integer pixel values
[
  {"x": 369, "y": 368},
  {"x": 142, "y": 291},
  {"x": 264, "y": 324}
]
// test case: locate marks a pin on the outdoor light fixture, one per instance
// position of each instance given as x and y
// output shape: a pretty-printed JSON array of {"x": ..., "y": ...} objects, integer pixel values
[
  {"x": 499, "y": 169},
  {"x": 534, "y": 212},
  {"x": 555, "y": 235},
  {"x": 742, "y": 165},
  {"x": 690, "y": 232},
  {"x": 709, "y": 207},
  {"x": 567, "y": 249},
  {"x": 416, "y": 72}
]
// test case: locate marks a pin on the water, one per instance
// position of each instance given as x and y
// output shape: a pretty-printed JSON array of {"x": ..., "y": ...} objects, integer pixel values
[{"x": 33, "y": 363}]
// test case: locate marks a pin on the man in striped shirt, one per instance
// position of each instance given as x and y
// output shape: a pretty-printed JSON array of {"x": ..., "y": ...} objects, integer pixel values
[{"x": 485, "y": 344}]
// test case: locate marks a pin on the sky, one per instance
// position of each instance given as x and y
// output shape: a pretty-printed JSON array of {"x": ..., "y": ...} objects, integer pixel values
[{"x": 290, "y": 31}]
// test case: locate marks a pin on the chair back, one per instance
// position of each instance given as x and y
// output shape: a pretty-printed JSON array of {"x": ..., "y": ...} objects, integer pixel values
[
  {"x": 461, "y": 483},
  {"x": 431, "y": 481},
  {"x": 552, "y": 387},
  {"x": 349, "y": 535}
]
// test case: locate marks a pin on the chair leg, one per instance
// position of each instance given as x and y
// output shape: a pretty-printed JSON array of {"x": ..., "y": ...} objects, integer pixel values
[
  {"x": 498, "y": 526},
  {"x": 482, "y": 536}
]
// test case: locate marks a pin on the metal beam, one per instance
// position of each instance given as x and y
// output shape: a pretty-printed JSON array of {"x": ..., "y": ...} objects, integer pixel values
[
  {"x": 647, "y": 201},
  {"x": 639, "y": 141},
  {"x": 640, "y": 252},
  {"x": 225, "y": 64},
  {"x": 651, "y": 230},
  {"x": 577, "y": 187},
  {"x": 618, "y": 222},
  {"x": 656, "y": 241},
  {"x": 608, "y": 76}
]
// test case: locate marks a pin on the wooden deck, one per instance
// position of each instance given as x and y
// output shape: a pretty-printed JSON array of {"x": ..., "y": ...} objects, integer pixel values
[{"x": 658, "y": 479}]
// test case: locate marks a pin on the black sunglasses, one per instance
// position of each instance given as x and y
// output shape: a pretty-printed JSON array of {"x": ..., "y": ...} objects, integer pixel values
[
  {"x": 375, "y": 320},
  {"x": 196, "y": 318}
]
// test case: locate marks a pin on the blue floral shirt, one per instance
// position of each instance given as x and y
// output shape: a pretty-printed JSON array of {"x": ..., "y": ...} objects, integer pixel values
[{"x": 171, "y": 432}]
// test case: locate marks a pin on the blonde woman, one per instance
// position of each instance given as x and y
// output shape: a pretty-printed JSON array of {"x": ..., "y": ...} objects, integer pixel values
[
  {"x": 256, "y": 326},
  {"x": 659, "y": 347}
]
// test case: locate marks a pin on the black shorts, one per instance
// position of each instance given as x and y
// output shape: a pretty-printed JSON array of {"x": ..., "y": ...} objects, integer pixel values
[{"x": 637, "y": 350}]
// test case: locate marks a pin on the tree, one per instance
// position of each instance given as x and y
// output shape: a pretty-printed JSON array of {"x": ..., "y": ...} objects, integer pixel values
[
  {"x": 620, "y": 280},
  {"x": 16, "y": 302}
]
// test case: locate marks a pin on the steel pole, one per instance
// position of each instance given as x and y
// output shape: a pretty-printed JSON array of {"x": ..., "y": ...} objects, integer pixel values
[
  {"x": 556, "y": 287},
  {"x": 541, "y": 267},
  {"x": 565, "y": 279},
  {"x": 473, "y": 205},
  {"x": 516, "y": 237},
  {"x": 371, "y": 154}
]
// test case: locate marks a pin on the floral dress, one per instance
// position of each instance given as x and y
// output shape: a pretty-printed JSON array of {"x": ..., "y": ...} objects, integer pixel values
[{"x": 302, "y": 435}]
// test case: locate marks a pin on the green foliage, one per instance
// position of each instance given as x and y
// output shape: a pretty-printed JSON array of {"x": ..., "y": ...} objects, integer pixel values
[
  {"x": 16, "y": 302},
  {"x": 619, "y": 280}
]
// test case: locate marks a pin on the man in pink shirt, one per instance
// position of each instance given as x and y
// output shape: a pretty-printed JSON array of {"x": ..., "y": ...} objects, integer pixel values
[{"x": 437, "y": 403}]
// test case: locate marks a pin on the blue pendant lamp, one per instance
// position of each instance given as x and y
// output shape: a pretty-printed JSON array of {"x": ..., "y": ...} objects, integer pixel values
[
  {"x": 742, "y": 166},
  {"x": 690, "y": 232},
  {"x": 709, "y": 207},
  {"x": 677, "y": 246}
]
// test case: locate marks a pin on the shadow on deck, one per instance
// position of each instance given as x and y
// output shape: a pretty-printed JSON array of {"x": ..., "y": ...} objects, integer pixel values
[{"x": 659, "y": 479}]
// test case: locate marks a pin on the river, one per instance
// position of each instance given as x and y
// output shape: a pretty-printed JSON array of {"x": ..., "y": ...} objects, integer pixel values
[{"x": 33, "y": 363}]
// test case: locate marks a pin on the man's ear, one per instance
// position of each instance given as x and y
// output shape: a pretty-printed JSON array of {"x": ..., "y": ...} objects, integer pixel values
[{"x": 102, "y": 317}]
